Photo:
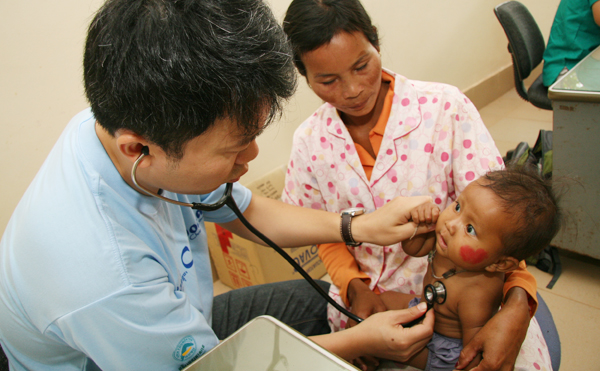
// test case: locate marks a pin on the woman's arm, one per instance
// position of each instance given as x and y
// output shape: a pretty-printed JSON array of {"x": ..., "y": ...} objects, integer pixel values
[
  {"x": 499, "y": 341},
  {"x": 342, "y": 267},
  {"x": 501, "y": 338},
  {"x": 523, "y": 279}
]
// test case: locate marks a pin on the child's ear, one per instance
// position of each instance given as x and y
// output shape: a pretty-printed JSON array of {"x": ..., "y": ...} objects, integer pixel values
[{"x": 504, "y": 264}]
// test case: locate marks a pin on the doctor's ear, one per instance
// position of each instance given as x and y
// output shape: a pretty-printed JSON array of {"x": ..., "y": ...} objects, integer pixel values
[
  {"x": 132, "y": 145},
  {"x": 504, "y": 264}
]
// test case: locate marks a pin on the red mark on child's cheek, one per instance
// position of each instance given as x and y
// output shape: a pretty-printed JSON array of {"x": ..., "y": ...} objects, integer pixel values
[{"x": 472, "y": 256}]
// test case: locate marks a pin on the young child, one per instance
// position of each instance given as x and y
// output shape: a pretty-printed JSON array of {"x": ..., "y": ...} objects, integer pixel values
[{"x": 497, "y": 221}]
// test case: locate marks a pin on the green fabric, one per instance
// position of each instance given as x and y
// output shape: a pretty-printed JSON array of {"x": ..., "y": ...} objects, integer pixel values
[{"x": 574, "y": 35}]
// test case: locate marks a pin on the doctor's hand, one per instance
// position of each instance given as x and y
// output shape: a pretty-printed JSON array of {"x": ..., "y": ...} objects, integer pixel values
[
  {"x": 389, "y": 224},
  {"x": 387, "y": 338},
  {"x": 382, "y": 336}
]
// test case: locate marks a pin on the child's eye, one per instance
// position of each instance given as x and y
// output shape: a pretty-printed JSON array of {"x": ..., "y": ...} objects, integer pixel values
[
  {"x": 457, "y": 207},
  {"x": 471, "y": 230},
  {"x": 328, "y": 82}
]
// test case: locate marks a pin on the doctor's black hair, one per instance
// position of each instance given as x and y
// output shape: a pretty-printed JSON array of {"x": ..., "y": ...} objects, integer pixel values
[
  {"x": 310, "y": 24},
  {"x": 167, "y": 69},
  {"x": 529, "y": 197}
]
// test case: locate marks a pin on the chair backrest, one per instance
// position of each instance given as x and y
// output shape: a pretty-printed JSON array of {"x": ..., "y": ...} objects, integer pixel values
[{"x": 525, "y": 40}]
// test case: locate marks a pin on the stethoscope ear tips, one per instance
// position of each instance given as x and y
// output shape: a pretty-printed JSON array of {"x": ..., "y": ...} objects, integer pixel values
[{"x": 435, "y": 293}]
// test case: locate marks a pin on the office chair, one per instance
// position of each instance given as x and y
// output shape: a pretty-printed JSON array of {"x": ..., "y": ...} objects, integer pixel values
[
  {"x": 546, "y": 322},
  {"x": 526, "y": 46}
]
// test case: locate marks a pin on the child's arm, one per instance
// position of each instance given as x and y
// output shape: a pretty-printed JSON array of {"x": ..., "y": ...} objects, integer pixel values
[{"x": 421, "y": 245}]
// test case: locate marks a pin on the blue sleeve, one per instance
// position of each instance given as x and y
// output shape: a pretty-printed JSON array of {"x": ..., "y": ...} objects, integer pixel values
[{"x": 142, "y": 327}]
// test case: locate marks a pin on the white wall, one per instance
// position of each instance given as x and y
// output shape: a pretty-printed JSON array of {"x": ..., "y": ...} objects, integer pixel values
[{"x": 455, "y": 41}]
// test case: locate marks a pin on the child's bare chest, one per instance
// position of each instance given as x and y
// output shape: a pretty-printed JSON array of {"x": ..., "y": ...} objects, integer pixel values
[{"x": 447, "y": 322}]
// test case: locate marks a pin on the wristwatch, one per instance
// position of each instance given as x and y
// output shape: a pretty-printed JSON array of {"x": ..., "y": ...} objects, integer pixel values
[{"x": 345, "y": 229}]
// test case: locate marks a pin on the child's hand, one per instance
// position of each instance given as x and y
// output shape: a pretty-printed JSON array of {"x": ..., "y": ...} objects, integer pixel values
[{"x": 426, "y": 213}]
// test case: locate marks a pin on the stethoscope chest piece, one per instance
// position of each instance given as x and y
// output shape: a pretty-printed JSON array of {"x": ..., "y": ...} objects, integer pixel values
[{"x": 435, "y": 293}]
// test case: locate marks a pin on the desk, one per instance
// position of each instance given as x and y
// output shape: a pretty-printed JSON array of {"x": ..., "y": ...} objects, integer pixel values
[
  {"x": 268, "y": 344},
  {"x": 576, "y": 154}
]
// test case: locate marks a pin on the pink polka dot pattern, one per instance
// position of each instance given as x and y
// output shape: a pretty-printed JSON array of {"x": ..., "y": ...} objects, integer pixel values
[{"x": 324, "y": 143}]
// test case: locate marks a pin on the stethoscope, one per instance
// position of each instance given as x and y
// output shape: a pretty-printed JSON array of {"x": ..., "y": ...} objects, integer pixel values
[
  {"x": 433, "y": 294},
  {"x": 227, "y": 200}
]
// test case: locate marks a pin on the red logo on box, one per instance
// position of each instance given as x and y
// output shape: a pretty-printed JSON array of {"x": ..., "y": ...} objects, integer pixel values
[
  {"x": 242, "y": 269},
  {"x": 229, "y": 263},
  {"x": 224, "y": 238},
  {"x": 236, "y": 280}
]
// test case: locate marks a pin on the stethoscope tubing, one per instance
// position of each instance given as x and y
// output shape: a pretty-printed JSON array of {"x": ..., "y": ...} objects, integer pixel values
[{"x": 228, "y": 200}]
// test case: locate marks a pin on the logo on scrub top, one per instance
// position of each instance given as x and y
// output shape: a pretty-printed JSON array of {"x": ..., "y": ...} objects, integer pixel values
[
  {"x": 186, "y": 259},
  {"x": 194, "y": 230},
  {"x": 186, "y": 349}
]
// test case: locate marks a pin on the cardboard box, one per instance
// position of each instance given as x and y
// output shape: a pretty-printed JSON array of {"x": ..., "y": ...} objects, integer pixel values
[{"x": 241, "y": 263}]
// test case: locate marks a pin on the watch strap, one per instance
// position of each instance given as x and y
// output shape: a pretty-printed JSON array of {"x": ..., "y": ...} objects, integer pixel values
[{"x": 346, "y": 230}]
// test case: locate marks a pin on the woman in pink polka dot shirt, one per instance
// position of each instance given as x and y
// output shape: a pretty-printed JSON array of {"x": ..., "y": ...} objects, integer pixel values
[{"x": 380, "y": 135}]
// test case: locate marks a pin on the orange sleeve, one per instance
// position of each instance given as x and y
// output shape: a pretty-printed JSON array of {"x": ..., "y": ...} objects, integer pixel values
[
  {"x": 525, "y": 280},
  {"x": 341, "y": 266}
]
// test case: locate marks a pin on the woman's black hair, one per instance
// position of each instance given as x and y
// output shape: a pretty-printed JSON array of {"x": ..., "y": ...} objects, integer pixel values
[
  {"x": 312, "y": 23},
  {"x": 167, "y": 69}
]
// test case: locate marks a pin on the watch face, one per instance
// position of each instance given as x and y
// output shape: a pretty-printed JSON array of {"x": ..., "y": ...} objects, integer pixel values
[{"x": 353, "y": 211}]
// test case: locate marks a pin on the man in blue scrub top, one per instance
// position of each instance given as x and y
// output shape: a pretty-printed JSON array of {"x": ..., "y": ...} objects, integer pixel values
[{"x": 96, "y": 275}]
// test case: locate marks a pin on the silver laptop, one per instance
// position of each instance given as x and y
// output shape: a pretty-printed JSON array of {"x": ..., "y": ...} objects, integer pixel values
[{"x": 268, "y": 344}]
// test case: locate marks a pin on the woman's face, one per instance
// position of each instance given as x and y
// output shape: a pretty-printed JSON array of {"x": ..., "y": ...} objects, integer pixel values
[{"x": 346, "y": 73}]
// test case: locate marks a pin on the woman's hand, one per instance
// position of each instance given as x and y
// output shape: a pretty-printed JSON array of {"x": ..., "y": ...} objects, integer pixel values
[
  {"x": 500, "y": 339},
  {"x": 389, "y": 224},
  {"x": 363, "y": 301}
]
